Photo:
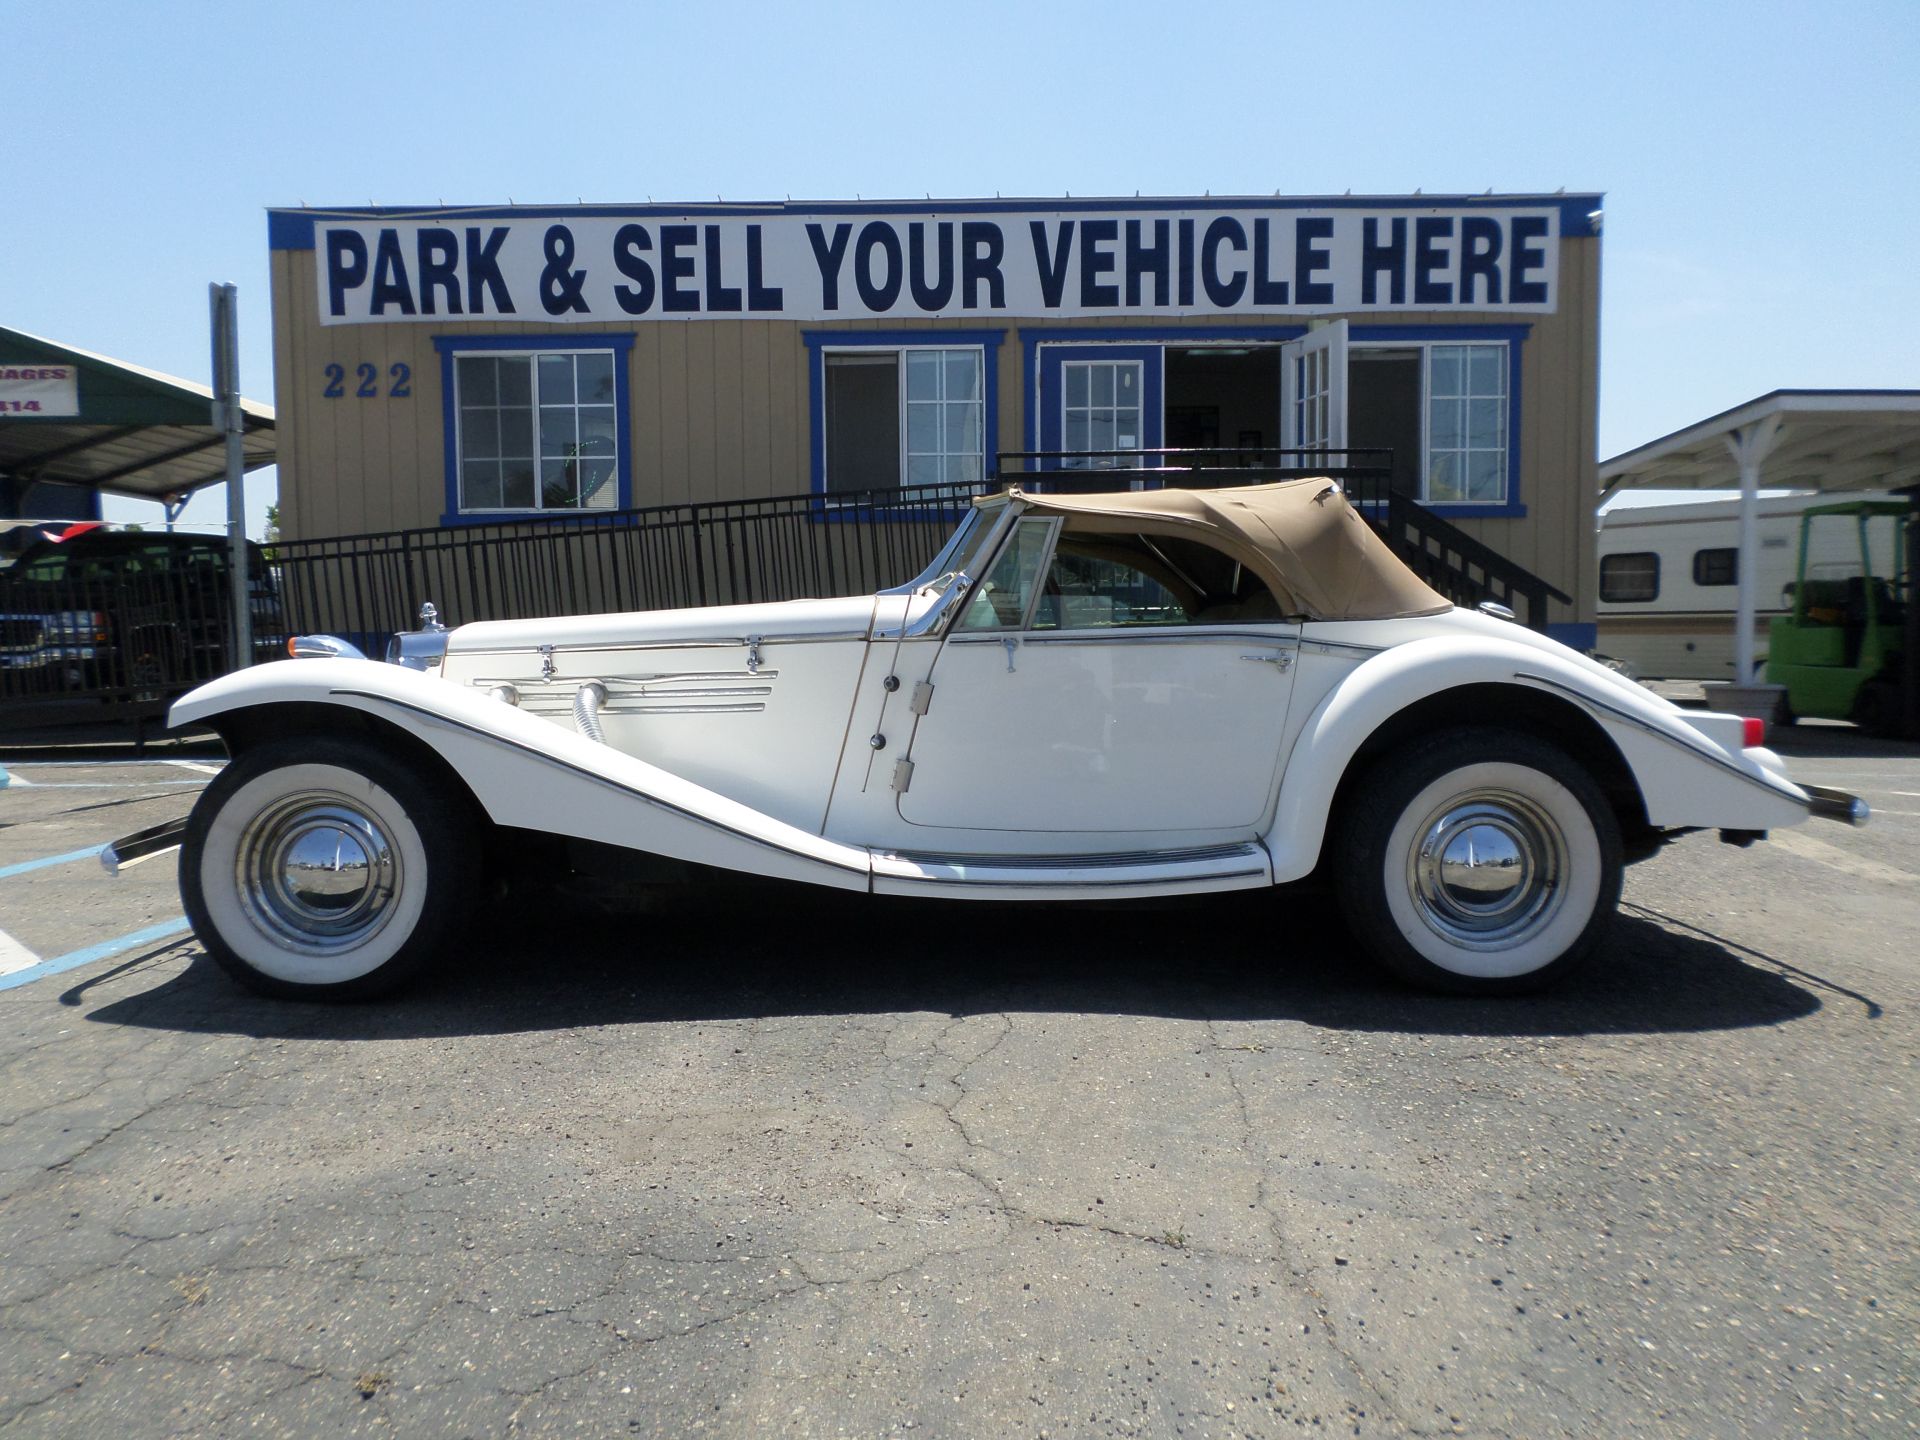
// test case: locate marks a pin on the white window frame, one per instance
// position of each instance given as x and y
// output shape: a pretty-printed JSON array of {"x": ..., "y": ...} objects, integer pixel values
[
  {"x": 539, "y": 507},
  {"x": 1139, "y": 408},
  {"x": 1426, "y": 348},
  {"x": 906, "y": 453}
]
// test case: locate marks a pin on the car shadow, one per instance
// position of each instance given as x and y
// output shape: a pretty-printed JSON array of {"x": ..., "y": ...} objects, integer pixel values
[{"x": 757, "y": 952}]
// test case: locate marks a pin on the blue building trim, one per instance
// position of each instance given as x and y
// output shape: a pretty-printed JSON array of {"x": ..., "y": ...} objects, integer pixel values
[
  {"x": 1515, "y": 337},
  {"x": 292, "y": 229},
  {"x": 818, "y": 342},
  {"x": 1040, "y": 396},
  {"x": 451, "y": 346},
  {"x": 1035, "y": 402},
  {"x": 1153, "y": 407},
  {"x": 1581, "y": 635}
]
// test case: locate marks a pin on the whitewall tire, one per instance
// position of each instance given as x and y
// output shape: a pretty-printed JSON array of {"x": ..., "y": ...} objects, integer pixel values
[
  {"x": 325, "y": 869},
  {"x": 1480, "y": 862}
]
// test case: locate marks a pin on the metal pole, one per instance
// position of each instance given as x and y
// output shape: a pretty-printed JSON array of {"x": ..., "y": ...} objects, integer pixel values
[
  {"x": 223, "y": 305},
  {"x": 1749, "y": 447}
]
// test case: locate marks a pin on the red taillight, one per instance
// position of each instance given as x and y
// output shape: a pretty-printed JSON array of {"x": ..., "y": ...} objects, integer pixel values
[{"x": 1753, "y": 731}]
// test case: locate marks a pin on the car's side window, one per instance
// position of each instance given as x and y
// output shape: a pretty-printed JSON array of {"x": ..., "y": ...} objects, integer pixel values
[
  {"x": 1002, "y": 600},
  {"x": 1103, "y": 581},
  {"x": 1092, "y": 587}
]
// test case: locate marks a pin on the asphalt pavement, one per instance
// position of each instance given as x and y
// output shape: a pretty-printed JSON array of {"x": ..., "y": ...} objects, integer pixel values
[{"x": 760, "y": 1161}]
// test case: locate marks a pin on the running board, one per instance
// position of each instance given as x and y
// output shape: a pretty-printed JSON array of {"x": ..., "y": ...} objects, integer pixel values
[{"x": 1061, "y": 877}]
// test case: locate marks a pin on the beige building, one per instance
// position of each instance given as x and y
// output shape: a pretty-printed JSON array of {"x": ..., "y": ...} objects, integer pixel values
[{"x": 460, "y": 365}]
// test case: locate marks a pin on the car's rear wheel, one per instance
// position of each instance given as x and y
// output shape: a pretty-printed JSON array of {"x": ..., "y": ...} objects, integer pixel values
[
  {"x": 1479, "y": 862},
  {"x": 326, "y": 869}
]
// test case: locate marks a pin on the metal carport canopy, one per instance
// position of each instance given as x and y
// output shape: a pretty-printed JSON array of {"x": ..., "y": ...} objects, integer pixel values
[
  {"x": 1788, "y": 439},
  {"x": 139, "y": 432}
]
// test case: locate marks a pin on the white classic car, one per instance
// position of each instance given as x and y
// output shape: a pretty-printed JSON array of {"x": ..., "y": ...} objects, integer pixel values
[{"x": 1084, "y": 696}]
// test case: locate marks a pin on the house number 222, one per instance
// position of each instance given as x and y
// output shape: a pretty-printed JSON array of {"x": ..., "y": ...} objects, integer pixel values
[{"x": 367, "y": 377}]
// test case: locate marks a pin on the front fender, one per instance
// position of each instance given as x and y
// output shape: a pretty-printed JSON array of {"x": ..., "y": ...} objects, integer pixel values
[
  {"x": 536, "y": 775},
  {"x": 1688, "y": 774}
]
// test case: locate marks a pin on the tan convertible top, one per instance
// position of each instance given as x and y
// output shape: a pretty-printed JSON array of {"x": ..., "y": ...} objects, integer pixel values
[{"x": 1315, "y": 552}]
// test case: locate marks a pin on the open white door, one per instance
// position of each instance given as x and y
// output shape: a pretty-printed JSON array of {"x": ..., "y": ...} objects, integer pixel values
[{"x": 1313, "y": 390}]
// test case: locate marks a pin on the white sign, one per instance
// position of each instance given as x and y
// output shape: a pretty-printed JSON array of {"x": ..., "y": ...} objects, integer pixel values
[
  {"x": 48, "y": 390},
  {"x": 957, "y": 264}
]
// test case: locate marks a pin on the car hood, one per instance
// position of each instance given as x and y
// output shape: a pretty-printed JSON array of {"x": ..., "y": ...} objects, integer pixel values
[{"x": 848, "y": 617}]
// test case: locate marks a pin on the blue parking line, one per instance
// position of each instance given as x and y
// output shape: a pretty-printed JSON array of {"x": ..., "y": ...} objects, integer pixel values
[
  {"x": 73, "y": 959},
  {"x": 26, "y": 866}
]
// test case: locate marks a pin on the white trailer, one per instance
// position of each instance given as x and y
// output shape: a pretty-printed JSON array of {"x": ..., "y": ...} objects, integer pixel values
[{"x": 1669, "y": 581}]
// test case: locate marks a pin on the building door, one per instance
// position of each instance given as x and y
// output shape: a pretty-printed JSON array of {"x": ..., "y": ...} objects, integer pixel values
[
  {"x": 1313, "y": 390},
  {"x": 1096, "y": 398}
]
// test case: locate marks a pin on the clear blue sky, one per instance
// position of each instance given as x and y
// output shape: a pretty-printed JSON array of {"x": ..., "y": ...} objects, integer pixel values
[{"x": 1762, "y": 217}]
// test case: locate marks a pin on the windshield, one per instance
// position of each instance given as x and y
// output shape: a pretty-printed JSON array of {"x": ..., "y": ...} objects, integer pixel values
[{"x": 955, "y": 557}]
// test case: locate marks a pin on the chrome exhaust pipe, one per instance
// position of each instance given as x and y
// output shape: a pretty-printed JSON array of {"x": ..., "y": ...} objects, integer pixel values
[{"x": 1837, "y": 805}]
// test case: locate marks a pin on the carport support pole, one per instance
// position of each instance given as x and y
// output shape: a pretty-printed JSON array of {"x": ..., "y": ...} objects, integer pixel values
[
  {"x": 1749, "y": 446},
  {"x": 223, "y": 303}
]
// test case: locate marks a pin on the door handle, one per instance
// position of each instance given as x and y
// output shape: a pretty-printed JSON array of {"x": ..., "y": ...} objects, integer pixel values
[{"x": 1282, "y": 661}]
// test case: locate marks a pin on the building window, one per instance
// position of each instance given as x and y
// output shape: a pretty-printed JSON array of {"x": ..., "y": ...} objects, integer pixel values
[
  {"x": 1466, "y": 424},
  {"x": 1630, "y": 578},
  {"x": 911, "y": 415},
  {"x": 1101, "y": 411},
  {"x": 1716, "y": 567},
  {"x": 537, "y": 431}
]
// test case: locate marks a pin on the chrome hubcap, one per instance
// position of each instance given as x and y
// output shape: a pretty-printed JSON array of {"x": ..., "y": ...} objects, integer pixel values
[
  {"x": 1487, "y": 870},
  {"x": 316, "y": 873}
]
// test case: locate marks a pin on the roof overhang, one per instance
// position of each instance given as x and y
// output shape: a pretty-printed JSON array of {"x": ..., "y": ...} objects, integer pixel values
[
  {"x": 139, "y": 433},
  {"x": 1825, "y": 440}
]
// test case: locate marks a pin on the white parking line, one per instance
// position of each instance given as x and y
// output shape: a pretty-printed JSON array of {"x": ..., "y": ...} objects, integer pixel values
[
  {"x": 194, "y": 765},
  {"x": 111, "y": 784},
  {"x": 14, "y": 956}
]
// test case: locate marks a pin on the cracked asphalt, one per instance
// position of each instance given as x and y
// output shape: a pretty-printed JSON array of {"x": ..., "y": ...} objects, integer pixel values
[{"x": 765, "y": 1162}]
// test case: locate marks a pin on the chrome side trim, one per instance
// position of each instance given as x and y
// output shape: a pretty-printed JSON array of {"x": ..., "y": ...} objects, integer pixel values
[
  {"x": 715, "y": 642},
  {"x": 1316, "y": 643},
  {"x": 1242, "y": 850},
  {"x": 667, "y": 682},
  {"x": 1155, "y": 636},
  {"x": 1702, "y": 751},
  {"x": 943, "y": 882},
  {"x": 1141, "y": 636}
]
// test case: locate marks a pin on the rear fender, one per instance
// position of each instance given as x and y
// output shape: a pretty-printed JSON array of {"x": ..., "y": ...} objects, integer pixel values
[
  {"x": 1685, "y": 778},
  {"x": 534, "y": 774}
]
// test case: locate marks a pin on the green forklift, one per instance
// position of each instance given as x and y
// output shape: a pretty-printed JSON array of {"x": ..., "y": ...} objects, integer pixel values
[{"x": 1839, "y": 650}]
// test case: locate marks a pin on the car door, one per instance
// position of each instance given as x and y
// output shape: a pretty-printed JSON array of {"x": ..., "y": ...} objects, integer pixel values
[{"x": 1084, "y": 688}]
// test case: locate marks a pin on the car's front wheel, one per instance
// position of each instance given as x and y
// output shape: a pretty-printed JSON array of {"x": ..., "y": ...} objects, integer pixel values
[
  {"x": 325, "y": 869},
  {"x": 1479, "y": 862}
]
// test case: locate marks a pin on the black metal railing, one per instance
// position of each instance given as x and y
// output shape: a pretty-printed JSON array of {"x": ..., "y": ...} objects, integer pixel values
[{"x": 365, "y": 587}]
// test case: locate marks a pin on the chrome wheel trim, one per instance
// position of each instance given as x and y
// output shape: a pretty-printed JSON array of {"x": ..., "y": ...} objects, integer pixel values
[
  {"x": 1487, "y": 870},
  {"x": 316, "y": 874}
]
